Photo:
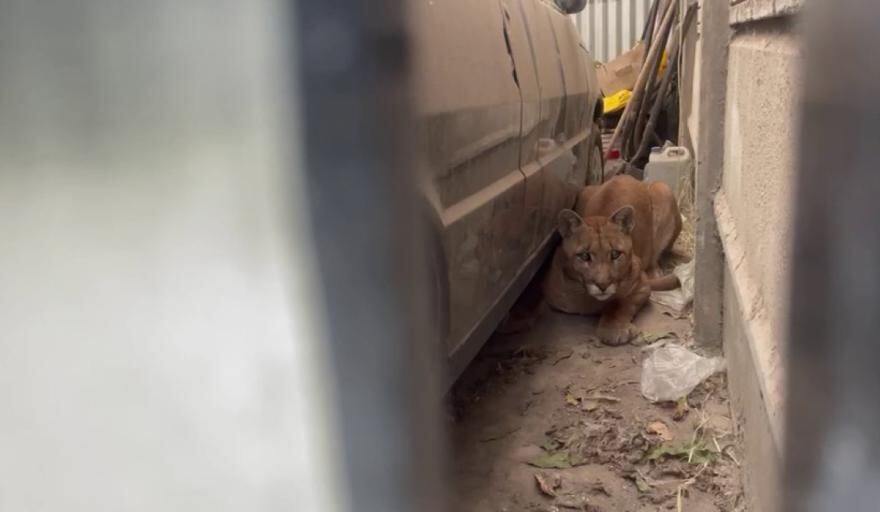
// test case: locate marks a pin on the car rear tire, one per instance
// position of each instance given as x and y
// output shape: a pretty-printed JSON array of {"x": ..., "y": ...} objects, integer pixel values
[{"x": 596, "y": 160}]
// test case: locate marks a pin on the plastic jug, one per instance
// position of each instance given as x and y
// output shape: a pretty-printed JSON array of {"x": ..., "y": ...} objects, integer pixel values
[{"x": 668, "y": 164}]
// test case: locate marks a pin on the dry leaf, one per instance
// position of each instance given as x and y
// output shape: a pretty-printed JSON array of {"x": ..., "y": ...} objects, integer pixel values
[
  {"x": 681, "y": 409},
  {"x": 652, "y": 337},
  {"x": 548, "y": 483},
  {"x": 640, "y": 482},
  {"x": 603, "y": 398},
  {"x": 558, "y": 460},
  {"x": 696, "y": 453},
  {"x": 642, "y": 485},
  {"x": 574, "y": 501},
  {"x": 661, "y": 429},
  {"x": 589, "y": 405},
  {"x": 597, "y": 487},
  {"x": 563, "y": 356}
]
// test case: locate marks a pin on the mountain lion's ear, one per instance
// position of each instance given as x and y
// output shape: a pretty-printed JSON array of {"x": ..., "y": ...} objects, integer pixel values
[
  {"x": 567, "y": 222},
  {"x": 625, "y": 218}
]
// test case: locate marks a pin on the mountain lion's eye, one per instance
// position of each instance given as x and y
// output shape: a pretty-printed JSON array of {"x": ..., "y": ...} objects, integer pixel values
[
  {"x": 615, "y": 255},
  {"x": 584, "y": 256}
]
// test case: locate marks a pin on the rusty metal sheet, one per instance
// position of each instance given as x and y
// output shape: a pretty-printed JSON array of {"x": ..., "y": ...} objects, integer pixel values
[{"x": 611, "y": 27}]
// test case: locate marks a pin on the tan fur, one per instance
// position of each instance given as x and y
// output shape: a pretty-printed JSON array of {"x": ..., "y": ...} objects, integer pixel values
[{"x": 610, "y": 247}]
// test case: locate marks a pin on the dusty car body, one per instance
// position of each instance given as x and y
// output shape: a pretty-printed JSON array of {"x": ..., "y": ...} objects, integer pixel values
[{"x": 507, "y": 100}]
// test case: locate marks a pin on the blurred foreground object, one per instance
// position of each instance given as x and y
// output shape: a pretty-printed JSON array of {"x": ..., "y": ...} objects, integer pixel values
[
  {"x": 833, "y": 444},
  {"x": 173, "y": 339}
]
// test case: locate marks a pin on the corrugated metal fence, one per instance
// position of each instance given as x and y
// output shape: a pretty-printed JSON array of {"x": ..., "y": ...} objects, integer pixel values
[{"x": 610, "y": 27}]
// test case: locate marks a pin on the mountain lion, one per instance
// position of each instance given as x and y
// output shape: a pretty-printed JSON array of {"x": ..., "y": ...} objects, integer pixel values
[{"x": 607, "y": 263}]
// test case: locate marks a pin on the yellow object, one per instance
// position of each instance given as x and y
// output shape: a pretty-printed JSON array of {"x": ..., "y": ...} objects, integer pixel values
[
  {"x": 616, "y": 101},
  {"x": 662, "y": 66},
  {"x": 619, "y": 99}
]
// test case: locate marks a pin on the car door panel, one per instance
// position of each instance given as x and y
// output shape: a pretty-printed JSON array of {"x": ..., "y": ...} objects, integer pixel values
[
  {"x": 469, "y": 132},
  {"x": 549, "y": 161}
]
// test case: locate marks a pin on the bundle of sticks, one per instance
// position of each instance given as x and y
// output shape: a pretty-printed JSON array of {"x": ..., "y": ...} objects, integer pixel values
[{"x": 636, "y": 131}]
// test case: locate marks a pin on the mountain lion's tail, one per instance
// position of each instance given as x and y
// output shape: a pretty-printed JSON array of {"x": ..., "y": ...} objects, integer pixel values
[{"x": 665, "y": 283}]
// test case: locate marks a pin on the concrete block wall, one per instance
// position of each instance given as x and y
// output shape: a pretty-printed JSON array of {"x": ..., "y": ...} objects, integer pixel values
[
  {"x": 752, "y": 52},
  {"x": 754, "y": 217}
]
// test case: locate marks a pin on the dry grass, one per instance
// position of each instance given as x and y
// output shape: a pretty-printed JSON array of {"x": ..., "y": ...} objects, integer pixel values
[{"x": 686, "y": 242}]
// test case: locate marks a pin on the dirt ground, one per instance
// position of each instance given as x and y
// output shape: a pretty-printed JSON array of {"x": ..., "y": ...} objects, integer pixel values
[{"x": 551, "y": 420}]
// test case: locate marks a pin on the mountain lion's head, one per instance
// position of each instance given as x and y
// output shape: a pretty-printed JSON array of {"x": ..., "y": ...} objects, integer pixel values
[{"x": 598, "y": 249}]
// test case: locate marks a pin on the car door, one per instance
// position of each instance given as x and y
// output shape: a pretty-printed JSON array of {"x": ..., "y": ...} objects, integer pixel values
[
  {"x": 469, "y": 107},
  {"x": 556, "y": 116}
]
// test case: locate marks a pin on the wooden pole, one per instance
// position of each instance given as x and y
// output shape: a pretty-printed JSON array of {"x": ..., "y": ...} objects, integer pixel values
[
  {"x": 650, "y": 64},
  {"x": 664, "y": 85},
  {"x": 631, "y": 137},
  {"x": 648, "y": 31}
]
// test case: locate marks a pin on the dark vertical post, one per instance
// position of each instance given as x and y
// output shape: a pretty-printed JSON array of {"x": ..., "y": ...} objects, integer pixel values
[
  {"x": 709, "y": 163},
  {"x": 354, "y": 64}
]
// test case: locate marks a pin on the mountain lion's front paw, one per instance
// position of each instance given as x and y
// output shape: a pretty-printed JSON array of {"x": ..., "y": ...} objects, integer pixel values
[{"x": 617, "y": 335}]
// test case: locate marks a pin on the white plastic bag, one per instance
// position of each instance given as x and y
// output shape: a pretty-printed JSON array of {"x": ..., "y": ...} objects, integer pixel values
[
  {"x": 672, "y": 371},
  {"x": 681, "y": 297}
]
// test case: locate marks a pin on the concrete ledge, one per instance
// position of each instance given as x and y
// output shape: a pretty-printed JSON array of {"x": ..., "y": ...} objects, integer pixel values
[
  {"x": 745, "y": 11},
  {"x": 755, "y": 372},
  {"x": 763, "y": 348},
  {"x": 761, "y": 452}
]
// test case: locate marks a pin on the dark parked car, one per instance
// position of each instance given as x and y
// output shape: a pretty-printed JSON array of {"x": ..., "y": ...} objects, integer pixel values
[{"x": 508, "y": 101}]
